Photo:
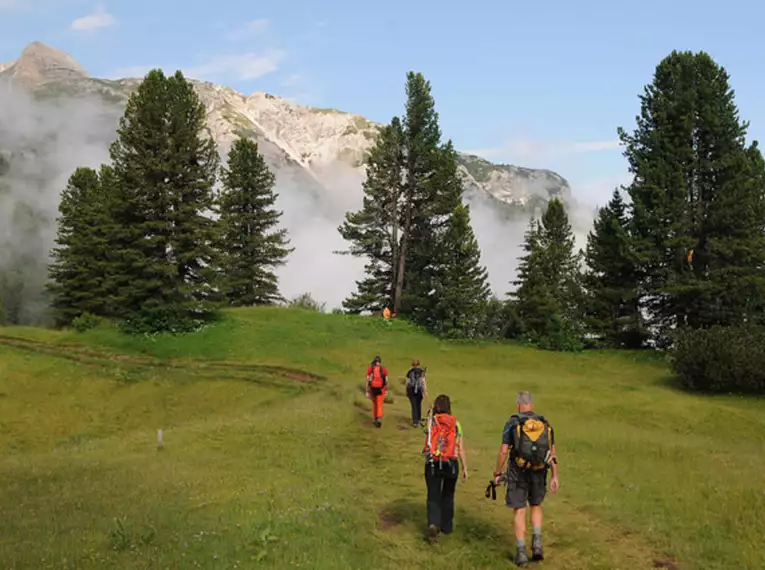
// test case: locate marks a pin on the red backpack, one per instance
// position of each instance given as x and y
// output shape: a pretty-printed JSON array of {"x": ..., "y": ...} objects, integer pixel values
[
  {"x": 442, "y": 437},
  {"x": 377, "y": 377}
]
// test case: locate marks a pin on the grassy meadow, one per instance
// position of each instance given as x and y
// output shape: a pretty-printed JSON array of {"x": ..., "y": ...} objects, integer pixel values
[{"x": 270, "y": 460}]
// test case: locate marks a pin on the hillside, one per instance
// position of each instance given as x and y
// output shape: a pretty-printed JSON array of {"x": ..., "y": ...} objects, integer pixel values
[
  {"x": 307, "y": 147},
  {"x": 269, "y": 460}
]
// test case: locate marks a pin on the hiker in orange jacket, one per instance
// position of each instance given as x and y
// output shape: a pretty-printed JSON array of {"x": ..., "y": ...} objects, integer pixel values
[{"x": 377, "y": 386}]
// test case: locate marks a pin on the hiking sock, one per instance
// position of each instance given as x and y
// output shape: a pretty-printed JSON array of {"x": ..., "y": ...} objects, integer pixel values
[
  {"x": 538, "y": 531},
  {"x": 521, "y": 544}
]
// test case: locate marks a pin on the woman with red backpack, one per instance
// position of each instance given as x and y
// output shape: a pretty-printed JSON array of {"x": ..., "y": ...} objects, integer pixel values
[
  {"x": 377, "y": 386},
  {"x": 445, "y": 458}
]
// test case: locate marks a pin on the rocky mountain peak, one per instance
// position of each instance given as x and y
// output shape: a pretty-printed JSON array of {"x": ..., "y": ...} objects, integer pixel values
[{"x": 39, "y": 64}]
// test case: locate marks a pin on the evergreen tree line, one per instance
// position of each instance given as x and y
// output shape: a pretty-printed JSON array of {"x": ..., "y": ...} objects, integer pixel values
[
  {"x": 678, "y": 251},
  {"x": 148, "y": 240}
]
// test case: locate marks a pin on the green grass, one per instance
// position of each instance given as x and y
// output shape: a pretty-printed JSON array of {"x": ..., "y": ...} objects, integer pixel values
[{"x": 269, "y": 460}]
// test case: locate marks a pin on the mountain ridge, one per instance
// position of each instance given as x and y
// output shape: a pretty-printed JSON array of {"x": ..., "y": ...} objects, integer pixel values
[{"x": 306, "y": 146}]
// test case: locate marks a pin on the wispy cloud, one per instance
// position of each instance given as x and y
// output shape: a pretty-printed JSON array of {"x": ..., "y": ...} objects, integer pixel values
[
  {"x": 291, "y": 80},
  {"x": 526, "y": 149},
  {"x": 229, "y": 67},
  {"x": 238, "y": 66},
  {"x": 250, "y": 29},
  {"x": 98, "y": 19}
]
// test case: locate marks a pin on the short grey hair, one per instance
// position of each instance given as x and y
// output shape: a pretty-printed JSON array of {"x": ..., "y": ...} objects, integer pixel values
[{"x": 524, "y": 398}]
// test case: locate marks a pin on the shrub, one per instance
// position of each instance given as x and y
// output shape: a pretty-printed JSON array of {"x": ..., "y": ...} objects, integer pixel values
[
  {"x": 305, "y": 301},
  {"x": 86, "y": 321},
  {"x": 720, "y": 359}
]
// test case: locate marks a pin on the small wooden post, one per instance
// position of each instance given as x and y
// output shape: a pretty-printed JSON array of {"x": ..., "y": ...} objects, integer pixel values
[{"x": 159, "y": 440}]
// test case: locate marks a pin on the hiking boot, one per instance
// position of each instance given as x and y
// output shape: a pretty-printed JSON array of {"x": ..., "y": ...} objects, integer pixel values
[
  {"x": 378, "y": 423},
  {"x": 536, "y": 548},
  {"x": 521, "y": 558},
  {"x": 432, "y": 533}
]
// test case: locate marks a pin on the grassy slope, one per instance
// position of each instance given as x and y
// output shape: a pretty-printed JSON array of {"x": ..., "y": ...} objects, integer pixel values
[{"x": 649, "y": 475}]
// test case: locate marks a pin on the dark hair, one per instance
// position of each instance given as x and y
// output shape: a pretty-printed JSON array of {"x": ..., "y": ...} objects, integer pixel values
[
  {"x": 377, "y": 360},
  {"x": 442, "y": 405}
]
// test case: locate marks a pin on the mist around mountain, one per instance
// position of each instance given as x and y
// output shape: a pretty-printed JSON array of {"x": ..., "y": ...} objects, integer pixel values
[{"x": 54, "y": 117}]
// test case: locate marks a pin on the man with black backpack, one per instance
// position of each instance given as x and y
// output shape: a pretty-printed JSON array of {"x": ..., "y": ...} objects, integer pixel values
[
  {"x": 416, "y": 390},
  {"x": 528, "y": 446}
]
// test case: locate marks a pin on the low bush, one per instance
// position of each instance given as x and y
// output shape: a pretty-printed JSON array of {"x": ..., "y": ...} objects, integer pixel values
[{"x": 720, "y": 359}]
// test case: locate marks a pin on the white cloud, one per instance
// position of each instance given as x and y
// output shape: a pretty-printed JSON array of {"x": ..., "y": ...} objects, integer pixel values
[
  {"x": 241, "y": 67},
  {"x": 99, "y": 18},
  {"x": 291, "y": 80},
  {"x": 528, "y": 149},
  {"x": 250, "y": 29},
  {"x": 237, "y": 66}
]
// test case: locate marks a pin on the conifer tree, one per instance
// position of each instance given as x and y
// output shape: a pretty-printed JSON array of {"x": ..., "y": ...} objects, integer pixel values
[
  {"x": 411, "y": 192},
  {"x": 611, "y": 279},
  {"x": 548, "y": 298},
  {"x": 462, "y": 291},
  {"x": 165, "y": 165},
  {"x": 374, "y": 231},
  {"x": 251, "y": 247},
  {"x": 80, "y": 263},
  {"x": 697, "y": 199}
]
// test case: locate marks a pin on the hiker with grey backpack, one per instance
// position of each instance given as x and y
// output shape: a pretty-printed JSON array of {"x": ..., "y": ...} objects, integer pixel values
[
  {"x": 528, "y": 447},
  {"x": 416, "y": 391}
]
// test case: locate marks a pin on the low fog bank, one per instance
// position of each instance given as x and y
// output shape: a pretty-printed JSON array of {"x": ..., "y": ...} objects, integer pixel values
[
  {"x": 41, "y": 145},
  {"x": 44, "y": 143}
]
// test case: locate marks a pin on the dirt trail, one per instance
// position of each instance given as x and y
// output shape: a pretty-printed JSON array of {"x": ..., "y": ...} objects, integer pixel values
[{"x": 103, "y": 357}]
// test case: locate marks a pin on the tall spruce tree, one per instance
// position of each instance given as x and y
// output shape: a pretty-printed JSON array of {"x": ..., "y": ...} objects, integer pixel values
[
  {"x": 548, "y": 298},
  {"x": 697, "y": 199},
  {"x": 81, "y": 262},
  {"x": 251, "y": 247},
  {"x": 411, "y": 191},
  {"x": 612, "y": 311},
  {"x": 375, "y": 231},
  {"x": 462, "y": 291},
  {"x": 165, "y": 165}
]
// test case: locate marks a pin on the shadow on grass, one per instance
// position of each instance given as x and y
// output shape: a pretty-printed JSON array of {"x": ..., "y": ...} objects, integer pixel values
[{"x": 468, "y": 528}]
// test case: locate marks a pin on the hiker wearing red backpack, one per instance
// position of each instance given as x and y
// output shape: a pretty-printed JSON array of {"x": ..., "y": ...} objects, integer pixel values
[
  {"x": 529, "y": 441},
  {"x": 377, "y": 386},
  {"x": 445, "y": 454}
]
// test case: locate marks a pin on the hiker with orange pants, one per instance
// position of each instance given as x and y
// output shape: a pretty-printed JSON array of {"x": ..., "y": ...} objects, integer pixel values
[
  {"x": 377, "y": 386},
  {"x": 445, "y": 458}
]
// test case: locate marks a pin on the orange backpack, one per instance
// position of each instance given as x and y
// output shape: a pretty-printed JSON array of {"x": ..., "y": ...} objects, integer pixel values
[
  {"x": 442, "y": 437},
  {"x": 377, "y": 378}
]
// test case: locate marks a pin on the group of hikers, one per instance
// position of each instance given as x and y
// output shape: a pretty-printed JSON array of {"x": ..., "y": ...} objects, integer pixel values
[{"x": 526, "y": 454}]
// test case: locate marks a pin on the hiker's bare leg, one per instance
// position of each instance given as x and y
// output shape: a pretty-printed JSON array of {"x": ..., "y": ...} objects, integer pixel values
[
  {"x": 536, "y": 516},
  {"x": 519, "y": 523}
]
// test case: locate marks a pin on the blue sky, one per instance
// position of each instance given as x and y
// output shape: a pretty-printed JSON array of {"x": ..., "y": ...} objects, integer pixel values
[{"x": 540, "y": 84}]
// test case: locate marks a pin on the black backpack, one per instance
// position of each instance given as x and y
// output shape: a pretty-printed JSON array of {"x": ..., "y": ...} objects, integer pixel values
[{"x": 532, "y": 442}]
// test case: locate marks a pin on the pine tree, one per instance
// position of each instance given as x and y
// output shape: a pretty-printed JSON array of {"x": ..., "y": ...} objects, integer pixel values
[
  {"x": 412, "y": 189},
  {"x": 697, "y": 199},
  {"x": 165, "y": 166},
  {"x": 462, "y": 292},
  {"x": 374, "y": 231},
  {"x": 548, "y": 298},
  {"x": 251, "y": 250},
  {"x": 611, "y": 280},
  {"x": 81, "y": 261}
]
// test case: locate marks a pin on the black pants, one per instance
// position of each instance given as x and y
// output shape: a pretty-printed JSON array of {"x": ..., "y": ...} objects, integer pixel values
[
  {"x": 415, "y": 399},
  {"x": 441, "y": 479}
]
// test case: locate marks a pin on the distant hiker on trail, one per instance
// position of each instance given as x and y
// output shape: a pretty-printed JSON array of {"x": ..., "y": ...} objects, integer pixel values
[
  {"x": 377, "y": 384},
  {"x": 445, "y": 453},
  {"x": 416, "y": 390},
  {"x": 529, "y": 441}
]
